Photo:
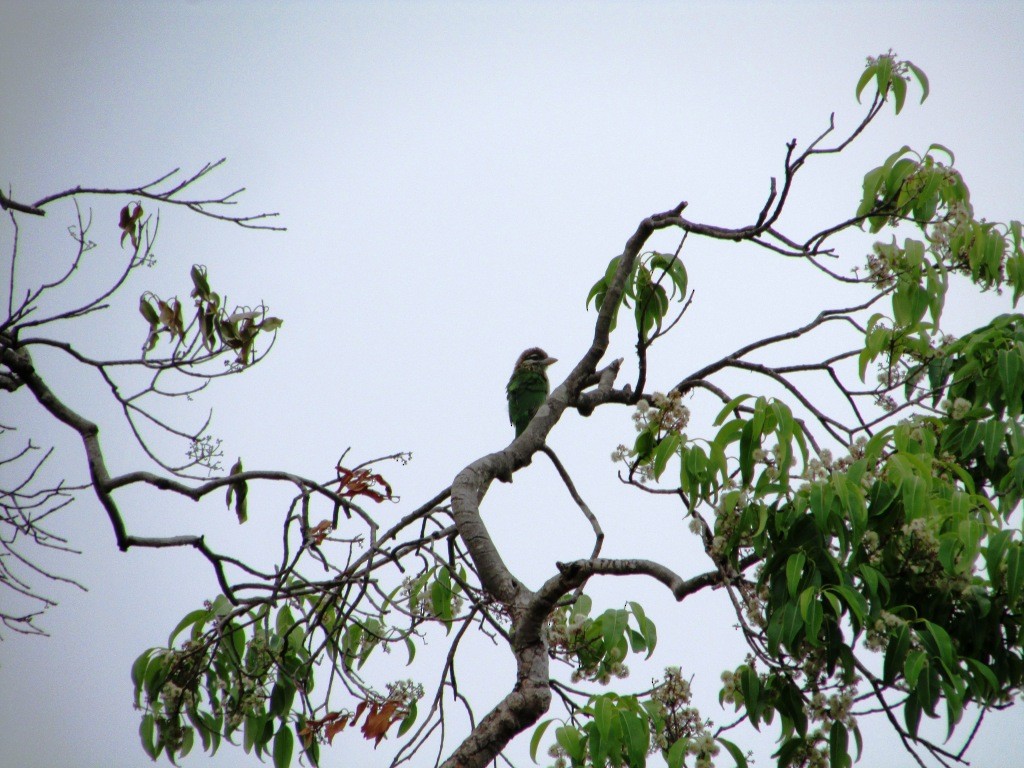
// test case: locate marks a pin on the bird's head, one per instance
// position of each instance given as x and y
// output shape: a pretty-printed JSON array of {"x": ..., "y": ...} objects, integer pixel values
[{"x": 534, "y": 359}]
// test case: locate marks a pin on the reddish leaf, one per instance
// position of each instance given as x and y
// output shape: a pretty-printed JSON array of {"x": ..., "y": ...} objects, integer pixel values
[
  {"x": 312, "y": 727},
  {"x": 319, "y": 532},
  {"x": 335, "y": 728},
  {"x": 379, "y": 720},
  {"x": 362, "y": 482},
  {"x": 359, "y": 711}
]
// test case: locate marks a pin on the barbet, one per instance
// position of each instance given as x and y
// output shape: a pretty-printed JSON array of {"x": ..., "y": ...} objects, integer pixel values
[{"x": 528, "y": 388}]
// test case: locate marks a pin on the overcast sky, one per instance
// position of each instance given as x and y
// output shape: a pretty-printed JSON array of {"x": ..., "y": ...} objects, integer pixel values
[{"x": 453, "y": 177}]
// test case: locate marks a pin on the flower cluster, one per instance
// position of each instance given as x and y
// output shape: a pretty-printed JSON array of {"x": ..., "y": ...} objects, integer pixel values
[
  {"x": 420, "y": 605},
  {"x": 955, "y": 224},
  {"x": 728, "y": 515},
  {"x": 835, "y": 708},
  {"x": 664, "y": 414},
  {"x": 205, "y": 451},
  {"x": 680, "y": 720},
  {"x": 754, "y": 604},
  {"x": 885, "y": 262},
  {"x": 915, "y": 552},
  {"x": 821, "y": 468},
  {"x": 567, "y": 640},
  {"x": 878, "y": 635},
  {"x": 406, "y": 692},
  {"x": 957, "y": 409},
  {"x": 659, "y": 415}
]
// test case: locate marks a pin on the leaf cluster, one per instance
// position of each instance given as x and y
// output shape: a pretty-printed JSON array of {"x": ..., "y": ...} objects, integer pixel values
[
  {"x": 646, "y": 288},
  {"x": 597, "y": 646},
  {"x": 251, "y": 673},
  {"x": 217, "y": 330}
]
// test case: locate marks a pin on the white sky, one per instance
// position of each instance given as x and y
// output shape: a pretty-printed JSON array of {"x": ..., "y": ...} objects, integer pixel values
[{"x": 453, "y": 178}]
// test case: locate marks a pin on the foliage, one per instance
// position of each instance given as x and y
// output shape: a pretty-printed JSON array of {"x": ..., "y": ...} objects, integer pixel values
[{"x": 868, "y": 549}]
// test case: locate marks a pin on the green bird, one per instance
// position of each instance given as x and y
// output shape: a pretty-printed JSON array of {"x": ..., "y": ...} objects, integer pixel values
[{"x": 528, "y": 388}]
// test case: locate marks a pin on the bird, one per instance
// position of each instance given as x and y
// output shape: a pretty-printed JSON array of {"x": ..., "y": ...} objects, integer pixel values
[{"x": 528, "y": 388}]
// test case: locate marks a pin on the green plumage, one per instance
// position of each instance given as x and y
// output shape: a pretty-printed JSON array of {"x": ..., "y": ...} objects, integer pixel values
[{"x": 528, "y": 388}]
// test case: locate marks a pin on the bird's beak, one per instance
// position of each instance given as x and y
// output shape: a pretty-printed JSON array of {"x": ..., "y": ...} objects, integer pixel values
[{"x": 549, "y": 361}]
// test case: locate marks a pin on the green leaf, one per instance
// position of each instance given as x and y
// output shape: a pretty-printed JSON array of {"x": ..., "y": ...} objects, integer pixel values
[
  {"x": 883, "y": 74},
  {"x": 1014, "y": 571},
  {"x": 572, "y": 742},
  {"x": 284, "y": 743},
  {"x": 994, "y": 553},
  {"x": 983, "y": 671},
  {"x": 582, "y": 606},
  {"x": 896, "y": 653},
  {"x": 604, "y": 713},
  {"x": 820, "y": 501},
  {"x": 912, "y": 714},
  {"x": 943, "y": 642},
  {"x": 677, "y": 753},
  {"x": 647, "y": 629},
  {"x": 791, "y": 624},
  {"x": 871, "y": 184},
  {"x": 994, "y": 432},
  {"x": 928, "y": 690},
  {"x": 914, "y": 496},
  {"x": 281, "y": 697},
  {"x": 239, "y": 491},
  {"x": 237, "y": 636},
  {"x": 898, "y": 174},
  {"x": 643, "y": 446},
  {"x": 916, "y": 661},
  {"x": 899, "y": 90},
  {"x": 666, "y": 449},
  {"x": 613, "y": 625},
  {"x": 813, "y": 618},
  {"x": 839, "y": 743},
  {"x": 408, "y": 720},
  {"x": 922, "y": 79},
  {"x": 750, "y": 687},
  {"x": 538, "y": 734},
  {"x": 198, "y": 616},
  {"x": 789, "y": 751},
  {"x": 139, "y": 674},
  {"x": 156, "y": 673},
  {"x": 794, "y": 571},
  {"x": 441, "y": 599},
  {"x": 637, "y": 738},
  {"x": 730, "y": 408},
  {"x": 865, "y": 78},
  {"x": 187, "y": 740},
  {"x": 199, "y": 281},
  {"x": 734, "y": 751},
  {"x": 854, "y": 601},
  {"x": 148, "y": 312},
  {"x": 146, "y": 728},
  {"x": 638, "y": 611},
  {"x": 748, "y": 442},
  {"x": 221, "y": 606},
  {"x": 650, "y": 633},
  {"x": 597, "y": 291}
]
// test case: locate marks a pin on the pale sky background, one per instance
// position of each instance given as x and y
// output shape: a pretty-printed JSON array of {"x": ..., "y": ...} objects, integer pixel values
[{"x": 453, "y": 177}]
